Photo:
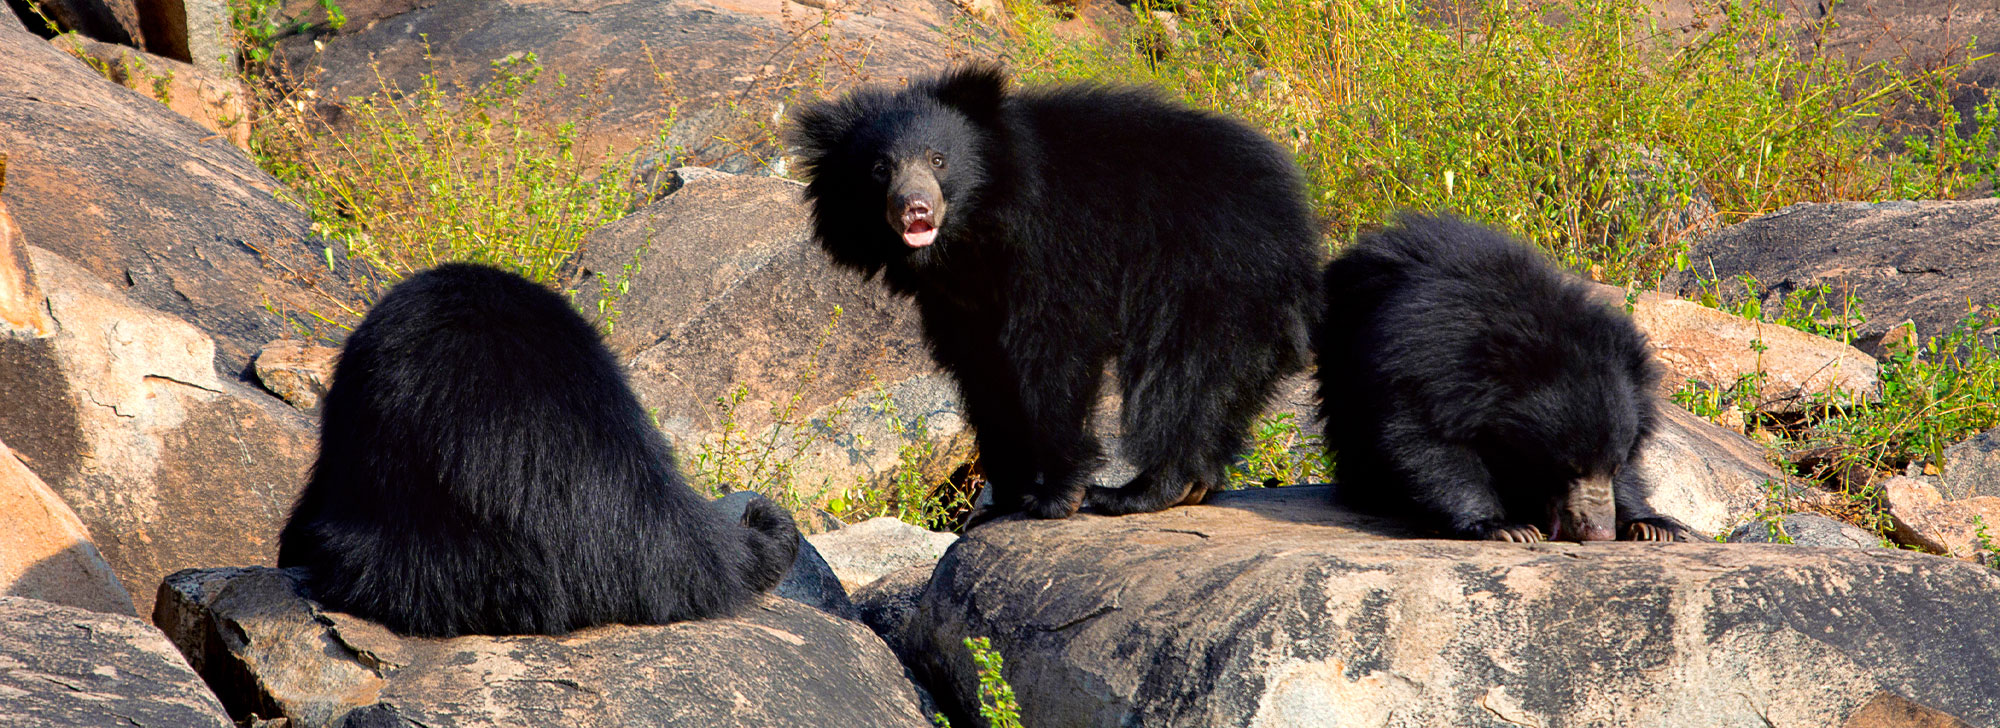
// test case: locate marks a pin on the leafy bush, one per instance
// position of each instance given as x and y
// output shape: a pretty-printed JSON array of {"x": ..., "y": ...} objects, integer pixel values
[{"x": 420, "y": 177}]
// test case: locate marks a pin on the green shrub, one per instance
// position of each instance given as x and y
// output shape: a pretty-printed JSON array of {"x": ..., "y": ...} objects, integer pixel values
[{"x": 419, "y": 177}]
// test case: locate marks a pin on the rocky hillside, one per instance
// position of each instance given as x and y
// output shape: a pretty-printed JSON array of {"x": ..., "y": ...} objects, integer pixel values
[{"x": 169, "y": 315}]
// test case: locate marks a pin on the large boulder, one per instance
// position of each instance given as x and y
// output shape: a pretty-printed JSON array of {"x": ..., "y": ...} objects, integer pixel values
[
  {"x": 121, "y": 411},
  {"x": 159, "y": 206},
  {"x": 711, "y": 67},
  {"x": 45, "y": 552},
  {"x": 1967, "y": 528},
  {"x": 1692, "y": 342},
  {"x": 1710, "y": 478},
  {"x": 711, "y": 303},
  {"x": 1272, "y": 608},
  {"x": 271, "y": 653},
  {"x": 1805, "y": 529},
  {"x": 1907, "y": 261},
  {"x": 62, "y": 666}
]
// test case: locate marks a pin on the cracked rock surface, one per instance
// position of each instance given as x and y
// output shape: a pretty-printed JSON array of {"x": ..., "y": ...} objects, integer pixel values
[{"x": 1272, "y": 608}]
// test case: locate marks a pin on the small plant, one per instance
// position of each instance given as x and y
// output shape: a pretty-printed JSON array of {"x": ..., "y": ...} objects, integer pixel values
[
  {"x": 1989, "y": 553},
  {"x": 1281, "y": 454},
  {"x": 1813, "y": 310},
  {"x": 996, "y": 698}
]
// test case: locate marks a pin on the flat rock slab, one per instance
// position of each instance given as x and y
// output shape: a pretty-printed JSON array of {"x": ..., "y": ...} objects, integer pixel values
[
  {"x": 270, "y": 652},
  {"x": 64, "y": 666},
  {"x": 1272, "y": 608}
]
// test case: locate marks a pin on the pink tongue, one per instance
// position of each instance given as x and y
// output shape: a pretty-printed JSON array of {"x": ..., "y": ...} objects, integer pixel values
[{"x": 919, "y": 234}]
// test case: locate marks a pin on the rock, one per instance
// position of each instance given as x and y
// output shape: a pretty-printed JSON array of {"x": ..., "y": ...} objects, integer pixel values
[
  {"x": 296, "y": 371},
  {"x": 811, "y": 581},
  {"x": 725, "y": 64},
  {"x": 657, "y": 182},
  {"x": 1692, "y": 341},
  {"x": 122, "y": 413},
  {"x": 1916, "y": 261},
  {"x": 1925, "y": 520},
  {"x": 64, "y": 666},
  {"x": 1806, "y": 529},
  {"x": 271, "y": 653},
  {"x": 1708, "y": 477},
  {"x": 1269, "y": 607},
  {"x": 869, "y": 550},
  {"x": 45, "y": 552},
  {"x": 1972, "y": 468},
  {"x": 886, "y": 603},
  {"x": 199, "y": 32},
  {"x": 159, "y": 206},
  {"x": 219, "y": 104},
  {"x": 21, "y": 310},
  {"x": 712, "y": 302}
]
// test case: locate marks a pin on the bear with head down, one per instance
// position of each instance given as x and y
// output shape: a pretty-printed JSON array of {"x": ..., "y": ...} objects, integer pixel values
[{"x": 1047, "y": 232}]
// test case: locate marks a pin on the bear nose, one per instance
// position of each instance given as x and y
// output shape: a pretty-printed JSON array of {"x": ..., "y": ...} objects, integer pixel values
[{"x": 915, "y": 208}]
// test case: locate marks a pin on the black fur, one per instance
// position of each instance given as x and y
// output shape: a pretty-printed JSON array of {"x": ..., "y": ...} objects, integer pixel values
[
  {"x": 485, "y": 469},
  {"x": 1466, "y": 382},
  {"x": 1076, "y": 225}
]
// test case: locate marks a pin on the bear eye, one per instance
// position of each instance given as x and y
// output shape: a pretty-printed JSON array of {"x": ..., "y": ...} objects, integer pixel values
[
  {"x": 937, "y": 160},
  {"x": 881, "y": 169}
]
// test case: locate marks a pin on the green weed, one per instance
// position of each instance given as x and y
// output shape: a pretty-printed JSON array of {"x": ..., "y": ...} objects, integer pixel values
[
  {"x": 1280, "y": 453},
  {"x": 996, "y": 698}
]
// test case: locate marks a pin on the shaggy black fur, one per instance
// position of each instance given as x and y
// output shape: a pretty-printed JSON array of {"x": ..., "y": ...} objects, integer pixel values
[
  {"x": 1467, "y": 382},
  {"x": 1046, "y": 232},
  {"x": 484, "y": 469}
]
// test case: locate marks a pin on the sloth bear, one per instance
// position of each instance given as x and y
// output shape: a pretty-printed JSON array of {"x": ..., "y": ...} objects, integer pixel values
[
  {"x": 484, "y": 469},
  {"x": 1046, "y": 232},
  {"x": 1466, "y": 381}
]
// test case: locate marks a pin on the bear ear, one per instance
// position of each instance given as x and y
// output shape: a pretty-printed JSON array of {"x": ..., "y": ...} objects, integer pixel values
[
  {"x": 817, "y": 127},
  {"x": 975, "y": 90}
]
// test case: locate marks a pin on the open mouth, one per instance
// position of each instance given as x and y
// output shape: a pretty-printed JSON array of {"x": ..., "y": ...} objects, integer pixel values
[{"x": 919, "y": 233}]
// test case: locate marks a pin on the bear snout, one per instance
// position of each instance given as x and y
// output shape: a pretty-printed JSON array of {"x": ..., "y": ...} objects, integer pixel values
[{"x": 915, "y": 218}]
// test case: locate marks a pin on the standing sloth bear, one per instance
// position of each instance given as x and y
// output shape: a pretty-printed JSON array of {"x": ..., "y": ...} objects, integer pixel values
[
  {"x": 1465, "y": 381},
  {"x": 1046, "y": 232},
  {"x": 484, "y": 469}
]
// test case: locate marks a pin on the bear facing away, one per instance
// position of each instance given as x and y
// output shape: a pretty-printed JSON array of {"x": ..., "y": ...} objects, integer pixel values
[
  {"x": 484, "y": 469},
  {"x": 1045, "y": 232},
  {"x": 1466, "y": 382}
]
